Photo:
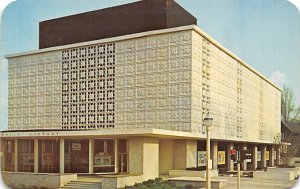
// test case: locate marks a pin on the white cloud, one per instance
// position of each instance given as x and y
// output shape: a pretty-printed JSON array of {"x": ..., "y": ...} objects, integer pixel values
[{"x": 278, "y": 78}]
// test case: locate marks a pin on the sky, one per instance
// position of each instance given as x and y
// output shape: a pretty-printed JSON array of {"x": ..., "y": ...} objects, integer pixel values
[{"x": 263, "y": 33}]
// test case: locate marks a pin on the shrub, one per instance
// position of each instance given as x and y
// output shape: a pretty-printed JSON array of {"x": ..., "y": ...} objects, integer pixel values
[
  {"x": 286, "y": 166},
  {"x": 188, "y": 186}
]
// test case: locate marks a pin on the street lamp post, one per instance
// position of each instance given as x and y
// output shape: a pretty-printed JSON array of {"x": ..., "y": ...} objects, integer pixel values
[{"x": 208, "y": 123}]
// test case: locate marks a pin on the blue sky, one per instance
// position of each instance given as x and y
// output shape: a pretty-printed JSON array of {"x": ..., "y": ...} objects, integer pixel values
[{"x": 264, "y": 33}]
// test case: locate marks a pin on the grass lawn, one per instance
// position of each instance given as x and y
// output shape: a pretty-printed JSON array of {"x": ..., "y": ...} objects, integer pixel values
[{"x": 156, "y": 184}]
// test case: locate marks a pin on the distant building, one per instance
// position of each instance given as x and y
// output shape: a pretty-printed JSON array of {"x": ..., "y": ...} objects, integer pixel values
[
  {"x": 125, "y": 90},
  {"x": 295, "y": 135}
]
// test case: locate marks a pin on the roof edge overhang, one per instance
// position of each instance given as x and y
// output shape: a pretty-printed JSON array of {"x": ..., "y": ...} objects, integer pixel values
[{"x": 158, "y": 133}]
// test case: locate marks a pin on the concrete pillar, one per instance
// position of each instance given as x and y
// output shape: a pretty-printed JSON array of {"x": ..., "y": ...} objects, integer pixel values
[
  {"x": 254, "y": 157},
  {"x": 214, "y": 155},
  {"x": 150, "y": 158},
  {"x": 185, "y": 154},
  {"x": 278, "y": 156},
  {"x": 272, "y": 158},
  {"x": 116, "y": 156},
  {"x": 62, "y": 155},
  {"x": 229, "y": 161},
  {"x": 166, "y": 151},
  {"x": 144, "y": 156},
  {"x": 91, "y": 154},
  {"x": 263, "y": 156},
  {"x": 16, "y": 155},
  {"x": 244, "y": 162},
  {"x": 135, "y": 155},
  {"x": 191, "y": 153},
  {"x": 36, "y": 155}
]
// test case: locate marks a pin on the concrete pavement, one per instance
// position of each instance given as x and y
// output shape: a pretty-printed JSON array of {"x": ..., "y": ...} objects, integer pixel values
[{"x": 250, "y": 183}]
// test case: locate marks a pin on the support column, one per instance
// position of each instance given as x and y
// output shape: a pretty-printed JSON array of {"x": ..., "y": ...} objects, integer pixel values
[
  {"x": 272, "y": 158},
  {"x": 254, "y": 157},
  {"x": 62, "y": 156},
  {"x": 278, "y": 156},
  {"x": 116, "y": 157},
  {"x": 2, "y": 155},
  {"x": 263, "y": 156},
  {"x": 244, "y": 162},
  {"x": 215, "y": 155},
  {"x": 36, "y": 155},
  {"x": 16, "y": 155},
  {"x": 91, "y": 153},
  {"x": 229, "y": 161}
]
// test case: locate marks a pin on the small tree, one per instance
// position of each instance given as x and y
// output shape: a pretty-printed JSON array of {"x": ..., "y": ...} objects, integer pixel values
[
  {"x": 287, "y": 152},
  {"x": 289, "y": 110}
]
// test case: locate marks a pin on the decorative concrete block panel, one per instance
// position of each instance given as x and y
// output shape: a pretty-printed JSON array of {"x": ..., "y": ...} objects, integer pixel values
[{"x": 161, "y": 69}]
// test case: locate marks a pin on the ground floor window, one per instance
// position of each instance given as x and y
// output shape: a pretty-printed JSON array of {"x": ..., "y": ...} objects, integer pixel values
[
  {"x": 76, "y": 156},
  {"x": 25, "y": 155},
  {"x": 9, "y": 151},
  {"x": 123, "y": 156},
  {"x": 49, "y": 156},
  {"x": 104, "y": 155}
]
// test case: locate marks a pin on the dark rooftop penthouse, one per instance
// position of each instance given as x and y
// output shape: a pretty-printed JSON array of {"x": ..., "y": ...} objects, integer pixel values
[{"x": 115, "y": 21}]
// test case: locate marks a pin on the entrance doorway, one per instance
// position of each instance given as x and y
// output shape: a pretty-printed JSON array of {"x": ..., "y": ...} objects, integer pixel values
[
  {"x": 49, "y": 156},
  {"x": 25, "y": 155},
  {"x": 123, "y": 156},
  {"x": 9, "y": 151},
  {"x": 76, "y": 156},
  {"x": 104, "y": 156}
]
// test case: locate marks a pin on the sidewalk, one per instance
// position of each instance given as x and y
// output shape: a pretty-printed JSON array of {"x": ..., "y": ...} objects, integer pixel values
[{"x": 250, "y": 183}]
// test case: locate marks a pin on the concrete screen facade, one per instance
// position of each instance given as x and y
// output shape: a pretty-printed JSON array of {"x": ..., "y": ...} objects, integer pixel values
[{"x": 138, "y": 95}]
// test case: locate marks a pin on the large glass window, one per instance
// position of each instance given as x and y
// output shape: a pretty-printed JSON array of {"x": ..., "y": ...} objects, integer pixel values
[
  {"x": 104, "y": 156},
  {"x": 8, "y": 150},
  {"x": 77, "y": 156},
  {"x": 123, "y": 156},
  {"x": 25, "y": 155},
  {"x": 49, "y": 156}
]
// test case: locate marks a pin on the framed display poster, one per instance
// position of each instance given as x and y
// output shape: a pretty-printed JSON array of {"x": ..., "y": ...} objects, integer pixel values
[
  {"x": 258, "y": 155},
  {"x": 221, "y": 157},
  {"x": 201, "y": 158},
  {"x": 76, "y": 147},
  {"x": 267, "y": 155},
  {"x": 103, "y": 160}
]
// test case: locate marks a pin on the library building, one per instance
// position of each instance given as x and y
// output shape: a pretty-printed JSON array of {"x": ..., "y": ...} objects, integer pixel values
[{"x": 124, "y": 91}]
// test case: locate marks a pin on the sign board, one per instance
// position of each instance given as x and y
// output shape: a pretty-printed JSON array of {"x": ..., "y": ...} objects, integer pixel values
[
  {"x": 201, "y": 158},
  {"x": 274, "y": 155},
  {"x": 258, "y": 155},
  {"x": 221, "y": 157},
  {"x": 267, "y": 155},
  {"x": 233, "y": 152},
  {"x": 76, "y": 147}
]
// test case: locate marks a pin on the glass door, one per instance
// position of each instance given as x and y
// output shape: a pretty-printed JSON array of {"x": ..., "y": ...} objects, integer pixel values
[
  {"x": 77, "y": 156},
  {"x": 123, "y": 156},
  {"x": 49, "y": 156},
  {"x": 8, "y": 155},
  {"x": 104, "y": 156},
  {"x": 25, "y": 155}
]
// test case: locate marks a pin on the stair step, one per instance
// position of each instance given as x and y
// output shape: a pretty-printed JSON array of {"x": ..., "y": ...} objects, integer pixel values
[
  {"x": 85, "y": 183},
  {"x": 77, "y": 187}
]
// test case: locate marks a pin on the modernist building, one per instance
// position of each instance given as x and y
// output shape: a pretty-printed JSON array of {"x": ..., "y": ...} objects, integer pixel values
[{"x": 125, "y": 90}]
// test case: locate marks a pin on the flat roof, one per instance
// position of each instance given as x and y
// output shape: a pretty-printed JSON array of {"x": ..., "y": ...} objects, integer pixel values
[{"x": 148, "y": 33}]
